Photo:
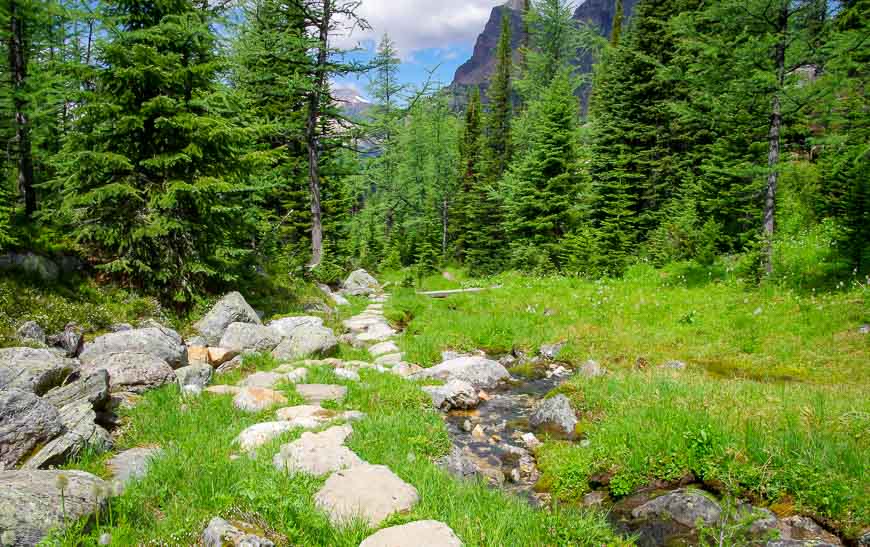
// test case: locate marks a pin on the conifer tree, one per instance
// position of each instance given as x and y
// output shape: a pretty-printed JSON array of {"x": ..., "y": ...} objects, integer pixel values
[
  {"x": 498, "y": 121},
  {"x": 151, "y": 179}
]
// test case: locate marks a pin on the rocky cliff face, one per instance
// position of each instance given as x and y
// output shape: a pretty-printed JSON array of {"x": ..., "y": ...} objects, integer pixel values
[{"x": 478, "y": 69}]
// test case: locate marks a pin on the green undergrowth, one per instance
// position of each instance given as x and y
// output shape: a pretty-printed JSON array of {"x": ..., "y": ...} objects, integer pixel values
[
  {"x": 797, "y": 448},
  {"x": 196, "y": 479}
]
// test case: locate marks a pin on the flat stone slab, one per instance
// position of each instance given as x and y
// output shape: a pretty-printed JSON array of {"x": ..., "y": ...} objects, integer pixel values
[
  {"x": 263, "y": 379},
  {"x": 223, "y": 390},
  {"x": 384, "y": 348},
  {"x": 257, "y": 435},
  {"x": 256, "y": 399},
  {"x": 422, "y": 533},
  {"x": 389, "y": 359},
  {"x": 317, "y": 453},
  {"x": 368, "y": 492},
  {"x": 317, "y": 393},
  {"x": 132, "y": 464},
  {"x": 316, "y": 415}
]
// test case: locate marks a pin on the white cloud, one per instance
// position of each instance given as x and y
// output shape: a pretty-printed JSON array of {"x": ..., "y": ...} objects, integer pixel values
[{"x": 421, "y": 24}]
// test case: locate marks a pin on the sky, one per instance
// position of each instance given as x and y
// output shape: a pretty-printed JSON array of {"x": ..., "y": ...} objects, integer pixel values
[{"x": 429, "y": 34}]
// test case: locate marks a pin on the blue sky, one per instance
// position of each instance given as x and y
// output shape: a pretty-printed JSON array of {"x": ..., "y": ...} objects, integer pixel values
[{"x": 428, "y": 34}]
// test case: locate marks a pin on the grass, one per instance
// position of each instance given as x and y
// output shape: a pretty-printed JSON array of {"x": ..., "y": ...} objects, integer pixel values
[
  {"x": 196, "y": 479},
  {"x": 772, "y": 405}
]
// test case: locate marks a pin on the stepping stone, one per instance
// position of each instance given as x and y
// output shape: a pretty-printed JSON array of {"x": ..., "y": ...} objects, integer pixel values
[
  {"x": 223, "y": 390},
  {"x": 378, "y": 333},
  {"x": 369, "y": 492},
  {"x": 220, "y": 533},
  {"x": 346, "y": 374},
  {"x": 384, "y": 348},
  {"x": 317, "y": 393},
  {"x": 132, "y": 465},
  {"x": 406, "y": 369},
  {"x": 317, "y": 453},
  {"x": 422, "y": 533},
  {"x": 263, "y": 379},
  {"x": 389, "y": 360},
  {"x": 257, "y": 435},
  {"x": 315, "y": 414},
  {"x": 256, "y": 399}
]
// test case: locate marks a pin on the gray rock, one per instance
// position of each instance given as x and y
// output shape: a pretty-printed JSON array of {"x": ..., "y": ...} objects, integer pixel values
[
  {"x": 360, "y": 283},
  {"x": 133, "y": 372},
  {"x": 422, "y": 533},
  {"x": 802, "y": 528},
  {"x": 389, "y": 360},
  {"x": 317, "y": 453},
  {"x": 30, "y": 501},
  {"x": 286, "y": 326},
  {"x": 197, "y": 377},
  {"x": 232, "y": 308},
  {"x": 245, "y": 337},
  {"x": 71, "y": 340},
  {"x": 551, "y": 351},
  {"x": 158, "y": 341},
  {"x": 132, "y": 464},
  {"x": 233, "y": 364},
  {"x": 348, "y": 494},
  {"x": 255, "y": 436},
  {"x": 264, "y": 379},
  {"x": 196, "y": 340},
  {"x": 454, "y": 394},
  {"x": 592, "y": 369},
  {"x": 26, "y": 421},
  {"x": 595, "y": 499},
  {"x": 462, "y": 463},
  {"x": 555, "y": 415},
  {"x": 799, "y": 543},
  {"x": 317, "y": 393},
  {"x": 35, "y": 370},
  {"x": 686, "y": 507},
  {"x": 338, "y": 299},
  {"x": 221, "y": 533},
  {"x": 674, "y": 365},
  {"x": 384, "y": 348},
  {"x": 36, "y": 265},
  {"x": 80, "y": 432},
  {"x": 31, "y": 332},
  {"x": 864, "y": 329},
  {"x": 305, "y": 341},
  {"x": 480, "y": 372},
  {"x": 92, "y": 387},
  {"x": 120, "y": 327},
  {"x": 257, "y": 399}
]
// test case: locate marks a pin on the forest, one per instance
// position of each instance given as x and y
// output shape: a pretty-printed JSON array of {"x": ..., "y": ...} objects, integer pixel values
[{"x": 180, "y": 146}]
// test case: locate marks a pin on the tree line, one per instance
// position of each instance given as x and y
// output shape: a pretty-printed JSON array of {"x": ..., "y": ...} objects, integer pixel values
[{"x": 180, "y": 146}]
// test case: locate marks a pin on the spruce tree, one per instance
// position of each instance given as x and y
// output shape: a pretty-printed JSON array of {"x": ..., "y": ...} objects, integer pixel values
[
  {"x": 151, "y": 179},
  {"x": 498, "y": 121}
]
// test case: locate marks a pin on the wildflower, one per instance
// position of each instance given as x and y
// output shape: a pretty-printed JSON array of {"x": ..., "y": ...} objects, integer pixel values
[{"x": 62, "y": 481}]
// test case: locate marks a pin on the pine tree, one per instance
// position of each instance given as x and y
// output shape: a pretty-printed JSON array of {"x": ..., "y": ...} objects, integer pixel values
[
  {"x": 151, "y": 179},
  {"x": 498, "y": 121}
]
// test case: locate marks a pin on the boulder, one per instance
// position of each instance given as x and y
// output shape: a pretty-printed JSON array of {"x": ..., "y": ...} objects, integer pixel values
[
  {"x": 219, "y": 356},
  {"x": 80, "y": 432},
  {"x": 360, "y": 283},
  {"x": 257, "y": 435},
  {"x": 133, "y": 372},
  {"x": 92, "y": 387},
  {"x": 256, "y": 399},
  {"x": 132, "y": 464},
  {"x": 802, "y": 528},
  {"x": 157, "y": 341},
  {"x": 384, "y": 348},
  {"x": 197, "y": 355},
  {"x": 317, "y": 453},
  {"x": 317, "y": 393},
  {"x": 348, "y": 494},
  {"x": 71, "y": 340},
  {"x": 31, "y": 333},
  {"x": 194, "y": 378},
  {"x": 34, "y": 370},
  {"x": 35, "y": 265},
  {"x": 120, "y": 327},
  {"x": 304, "y": 341},
  {"x": 592, "y": 369},
  {"x": 30, "y": 501},
  {"x": 454, "y": 394},
  {"x": 232, "y": 365},
  {"x": 284, "y": 327},
  {"x": 26, "y": 421},
  {"x": 230, "y": 309},
  {"x": 422, "y": 533},
  {"x": 555, "y": 415},
  {"x": 221, "y": 533},
  {"x": 683, "y": 506},
  {"x": 551, "y": 351},
  {"x": 245, "y": 338},
  {"x": 480, "y": 372}
]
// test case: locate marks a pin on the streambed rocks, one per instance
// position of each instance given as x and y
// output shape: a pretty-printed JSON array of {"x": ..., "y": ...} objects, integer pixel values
[
  {"x": 455, "y": 394},
  {"x": 555, "y": 415},
  {"x": 480, "y": 372}
]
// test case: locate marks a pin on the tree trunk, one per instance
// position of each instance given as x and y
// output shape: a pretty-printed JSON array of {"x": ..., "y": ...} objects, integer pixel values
[
  {"x": 773, "y": 146},
  {"x": 18, "y": 69},
  {"x": 445, "y": 219},
  {"x": 312, "y": 136}
]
